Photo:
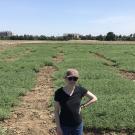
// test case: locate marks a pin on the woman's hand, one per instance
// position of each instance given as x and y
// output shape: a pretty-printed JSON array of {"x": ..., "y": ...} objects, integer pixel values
[{"x": 59, "y": 131}]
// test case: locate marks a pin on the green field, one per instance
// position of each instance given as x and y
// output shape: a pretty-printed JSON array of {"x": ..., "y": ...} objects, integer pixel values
[{"x": 115, "y": 108}]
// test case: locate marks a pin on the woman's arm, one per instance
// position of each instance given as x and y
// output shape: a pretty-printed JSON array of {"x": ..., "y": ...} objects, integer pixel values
[
  {"x": 57, "y": 119},
  {"x": 92, "y": 99}
]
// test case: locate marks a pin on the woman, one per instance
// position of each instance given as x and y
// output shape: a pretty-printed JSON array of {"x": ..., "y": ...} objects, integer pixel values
[{"x": 68, "y": 105}]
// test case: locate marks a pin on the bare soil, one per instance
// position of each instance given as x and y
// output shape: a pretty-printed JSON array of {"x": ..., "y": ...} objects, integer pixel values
[
  {"x": 90, "y": 42},
  {"x": 108, "y": 62},
  {"x": 127, "y": 74},
  {"x": 33, "y": 115}
]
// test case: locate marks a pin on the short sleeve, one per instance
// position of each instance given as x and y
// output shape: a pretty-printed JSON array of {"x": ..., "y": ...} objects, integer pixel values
[{"x": 83, "y": 91}]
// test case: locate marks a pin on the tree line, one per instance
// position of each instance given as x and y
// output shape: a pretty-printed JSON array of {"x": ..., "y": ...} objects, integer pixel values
[{"x": 110, "y": 36}]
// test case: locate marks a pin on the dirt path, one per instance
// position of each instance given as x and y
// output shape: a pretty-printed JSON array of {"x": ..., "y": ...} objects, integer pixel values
[
  {"x": 113, "y": 64},
  {"x": 89, "y": 42},
  {"x": 33, "y": 116},
  {"x": 4, "y": 47}
]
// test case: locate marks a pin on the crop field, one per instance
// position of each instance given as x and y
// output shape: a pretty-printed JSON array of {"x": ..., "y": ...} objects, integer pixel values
[{"x": 108, "y": 71}]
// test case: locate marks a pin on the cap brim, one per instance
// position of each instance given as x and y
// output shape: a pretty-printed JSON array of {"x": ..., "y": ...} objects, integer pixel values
[{"x": 72, "y": 76}]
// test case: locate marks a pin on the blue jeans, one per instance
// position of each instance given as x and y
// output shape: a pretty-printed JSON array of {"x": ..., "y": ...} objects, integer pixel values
[{"x": 78, "y": 130}]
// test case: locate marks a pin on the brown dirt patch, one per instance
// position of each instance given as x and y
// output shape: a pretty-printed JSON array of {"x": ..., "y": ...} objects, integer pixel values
[
  {"x": 6, "y": 46},
  {"x": 10, "y": 59},
  {"x": 128, "y": 75},
  {"x": 108, "y": 62},
  {"x": 33, "y": 115},
  {"x": 58, "y": 58},
  {"x": 15, "y": 57},
  {"x": 100, "y": 131},
  {"x": 90, "y": 42}
]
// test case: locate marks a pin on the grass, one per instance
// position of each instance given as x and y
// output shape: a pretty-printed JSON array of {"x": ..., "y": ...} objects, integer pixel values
[
  {"x": 19, "y": 76},
  {"x": 115, "y": 107},
  {"x": 2, "y": 131}
]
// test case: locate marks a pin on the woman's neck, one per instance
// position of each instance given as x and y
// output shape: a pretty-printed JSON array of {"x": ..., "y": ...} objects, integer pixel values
[{"x": 69, "y": 87}]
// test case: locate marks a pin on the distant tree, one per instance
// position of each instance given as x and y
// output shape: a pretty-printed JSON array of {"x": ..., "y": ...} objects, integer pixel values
[
  {"x": 65, "y": 38},
  {"x": 82, "y": 37},
  {"x": 110, "y": 36},
  {"x": 88, "y": 37},
  {"x": 59, "y": 38},
  {"x": 68, "y": 37},
  {"x": 118, "y": 37},
  {"x": 52, "y": 38},
  {"x": 124, "y": 38},
  {"x": 99, "y": 37},
  {"x": 26, "y": 37},
  {"x": 36, "y": 37},
  {"x": 134, "y": 37},
  {"x": 42, "y": 37},
  {"x": 31, "y": 37},
  {"x": 131, "y": 37},
  {"x": 21, "y": 37}
]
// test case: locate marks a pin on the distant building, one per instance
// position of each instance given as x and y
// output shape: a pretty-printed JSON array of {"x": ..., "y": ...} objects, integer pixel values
[
  {"x": 6, "y": 33},
  {"x": 72, "y": 35}
]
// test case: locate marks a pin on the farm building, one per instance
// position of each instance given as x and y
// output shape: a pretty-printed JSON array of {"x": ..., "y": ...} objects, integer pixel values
[
  {"x": 72, "y": 35},
  {"x": 6, "y": 33}
]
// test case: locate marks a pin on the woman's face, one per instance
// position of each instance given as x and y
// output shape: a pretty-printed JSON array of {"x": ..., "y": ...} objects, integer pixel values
[{"x": 72, "y": 80}]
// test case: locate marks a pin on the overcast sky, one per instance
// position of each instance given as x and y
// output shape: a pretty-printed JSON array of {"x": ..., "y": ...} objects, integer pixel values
[{"x": 55, "y": 17}]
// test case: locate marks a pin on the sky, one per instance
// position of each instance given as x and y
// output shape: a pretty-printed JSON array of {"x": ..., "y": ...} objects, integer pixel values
[{"x": 56, "y": 17}]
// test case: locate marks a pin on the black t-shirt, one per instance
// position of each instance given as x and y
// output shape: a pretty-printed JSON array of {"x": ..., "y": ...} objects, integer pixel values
[{"x": 70, "y": 105}]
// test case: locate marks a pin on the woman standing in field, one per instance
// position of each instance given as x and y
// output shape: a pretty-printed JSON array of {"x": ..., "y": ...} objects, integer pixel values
[{"x": 68, "y": 105}]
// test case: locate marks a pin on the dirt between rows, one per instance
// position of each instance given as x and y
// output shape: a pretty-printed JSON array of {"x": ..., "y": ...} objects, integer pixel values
[
  {"x": 108, "y": 62},
  {"x": 90, "y": 42},
  {"x": 5, "y": 44},
  {"x": 33, "y": 115}
]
